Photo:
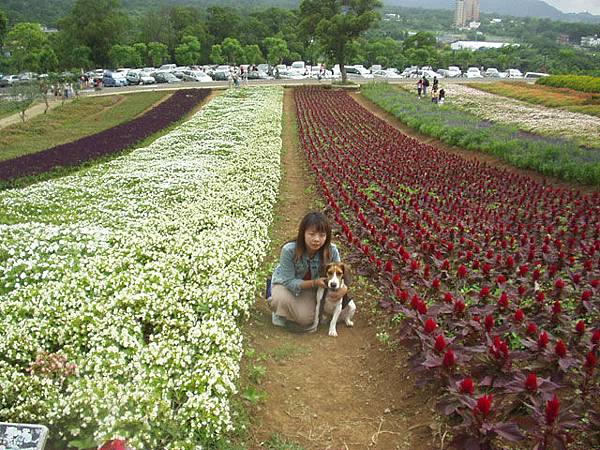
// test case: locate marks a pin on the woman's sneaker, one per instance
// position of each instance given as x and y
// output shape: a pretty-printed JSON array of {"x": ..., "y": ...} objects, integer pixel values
[{"x": 278, "y": 321}]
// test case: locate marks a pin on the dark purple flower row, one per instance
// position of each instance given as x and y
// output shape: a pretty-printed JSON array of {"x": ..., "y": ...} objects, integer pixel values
[{"x": 108, "y": 141}]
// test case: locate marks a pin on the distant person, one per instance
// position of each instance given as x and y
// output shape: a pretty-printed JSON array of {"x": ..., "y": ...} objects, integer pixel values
[
  {"x": 425, "y": 85},
  {"x": 441, "y": 96},
  {"x": 435, "y": 86},
  {"x": 419, "y": 87}
]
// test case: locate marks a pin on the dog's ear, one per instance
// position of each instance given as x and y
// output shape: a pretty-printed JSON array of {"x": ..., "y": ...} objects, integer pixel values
[{"x": 347, "y": 274}]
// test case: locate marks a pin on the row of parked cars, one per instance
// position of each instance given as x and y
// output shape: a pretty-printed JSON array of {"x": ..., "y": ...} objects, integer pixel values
[{"x": 471, "y": 72}]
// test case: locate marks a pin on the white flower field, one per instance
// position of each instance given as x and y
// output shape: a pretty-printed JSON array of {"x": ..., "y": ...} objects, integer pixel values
[{"x": 135, "y": 274}]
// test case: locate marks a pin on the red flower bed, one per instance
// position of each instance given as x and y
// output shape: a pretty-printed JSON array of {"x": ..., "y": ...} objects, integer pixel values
[
  {"x": 106, "y": 142},
  {"x": 495, "y": 274}
]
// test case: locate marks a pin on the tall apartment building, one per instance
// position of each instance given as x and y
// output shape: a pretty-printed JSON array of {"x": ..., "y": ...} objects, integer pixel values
[{"x": 466, "y": 11}]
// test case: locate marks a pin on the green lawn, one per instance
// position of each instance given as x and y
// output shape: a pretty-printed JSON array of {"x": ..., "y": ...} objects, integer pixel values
[{"x": 74, "y": 120}]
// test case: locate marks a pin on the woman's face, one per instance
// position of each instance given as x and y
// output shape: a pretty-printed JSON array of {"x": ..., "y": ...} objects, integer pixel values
[{"x": 314, "y": 239}]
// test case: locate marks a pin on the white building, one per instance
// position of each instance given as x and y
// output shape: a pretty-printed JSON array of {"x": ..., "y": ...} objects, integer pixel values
[
  {"x": 477, "y": 45},
  {"x": 590, "y": 41}
]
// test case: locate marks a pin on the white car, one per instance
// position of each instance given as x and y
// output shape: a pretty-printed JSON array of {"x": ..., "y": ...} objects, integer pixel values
[
  {"x": 451, "y": 72},
  {"x": 492, "y": 72},
  {"x": 386, "y": 75},
  {"x": 473, "y": 72},
  {"x": 196, "y": 75},
  {"x": 514, "y": 73}
]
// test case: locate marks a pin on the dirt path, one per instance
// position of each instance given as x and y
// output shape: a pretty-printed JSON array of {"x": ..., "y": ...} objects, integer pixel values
[
  {"x": 349, "y": 392},
  {"x": 35, "y": 110}
]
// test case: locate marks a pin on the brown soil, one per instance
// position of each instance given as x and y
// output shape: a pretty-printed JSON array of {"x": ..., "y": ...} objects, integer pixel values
[
  {"x": 349, "y": 392},
  {"x": 466, "y": 154}
]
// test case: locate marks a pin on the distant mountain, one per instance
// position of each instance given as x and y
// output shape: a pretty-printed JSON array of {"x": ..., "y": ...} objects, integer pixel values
[{"x": 517, "y": 8}]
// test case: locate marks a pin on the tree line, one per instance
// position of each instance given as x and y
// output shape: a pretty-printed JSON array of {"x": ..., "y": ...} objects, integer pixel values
[{"x": 100, "y": 33}]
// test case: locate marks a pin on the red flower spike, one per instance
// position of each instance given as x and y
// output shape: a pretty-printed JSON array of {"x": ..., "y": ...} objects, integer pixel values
[
  {"x": 531, "y": 383},
  {"x": 556, "y": 308},
  {"x": 543, "y": 340},
  {"x": 396, "y": 279},
  {"x": 521, "y": 290},
  {"x": 523, "y": 270},
  {"x": 467, "y": 386},
  {"x": 449, "y": 359},
  {"x": 436, "y": 284},
  {"x": 540, "y": 297},
  {"x": 484, "y": 292},
  {"x": 590, "y": 361},
  {"x": 422, "y": 308},
  {"x": 595, "y": 284},
  {"x": 462, "y": 271},
  {"x": 459, "y": 306},
  {"x": 484, "y": 405},
  {"x": 552, "y": 409},
  {"x": 586, "y": 295},
  {"x": 414, "y": 301},
  {"x": 489, "y": 322},
  {"x": 440, "y": 343},
  {"x": 501, "y": 279},
  {"x": 389, "y": 266},
  {"x": 580, "y": 327},
  {"x": 448, "y": 298},
  {"x": 115, "y": 444},
  {"x": 430, "y": 325},
  {"x": 536, "y": 274},
  {"x": 560, "y": 349},
  {"x": 596, "y": 337},
  {"x": 559, "y": 284},
  {"x": 503, "y": 301},
  {"x": 519, "y": 315}
]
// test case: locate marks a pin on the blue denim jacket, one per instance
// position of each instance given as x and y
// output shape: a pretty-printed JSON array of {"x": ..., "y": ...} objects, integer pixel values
[{"x": 290, "y": 273}]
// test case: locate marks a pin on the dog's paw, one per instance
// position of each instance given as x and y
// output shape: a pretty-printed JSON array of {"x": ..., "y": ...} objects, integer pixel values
[
  {"x": 333, "y": 333},
  {"x": 349, "y": 323}
]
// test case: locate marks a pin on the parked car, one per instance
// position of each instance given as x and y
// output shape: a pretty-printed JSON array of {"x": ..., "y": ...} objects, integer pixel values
[
  {"x": 196, "y": 75},
  {"x": 427, "y": 73},
  {"x": 114, "y": 79},
  {"x": 386, "y": 75},
  {"x": 167, "y": 67},
  {"x": 473, "y": 72},
  {"x": 450, "y": 72},
  {"x": 357, "y": 72},
  {"x": 299, "y": 67},
  {"x": 492, "y": 72},
  {"x": 9, "y": 80},
  {"x": 514, "y": 73},
  {"x": 165, "y": 77},
  {"x": 258, "y": 75},
  {"x": 535, "y": 75},
  {"x": 220, "y": 75}
]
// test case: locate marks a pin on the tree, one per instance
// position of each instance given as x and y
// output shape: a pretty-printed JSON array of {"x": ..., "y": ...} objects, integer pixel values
[
  {"x": 188, "y": 52},
  {"x": 277, "y": 49},
  {"x": 336, "y": 23},
  {"x": 419, "y": 40},
  {"x": 253, "y": 55},
  {"x": 157, "y": 53},
  {"x": 142, "y": 51},
  {"x": 157, "y": 27},
  {"x": 3, "y": 27},
  {"x": 216, "y": 54},
  {"x": 97, "y": 24},
  {"x": 23, "y": 95},
  {"x": 232, "y": 51},
  {"x": 222, "y": 22},
  {"x": 25, "y": 42},
  {"x": 124, "y": 56}
]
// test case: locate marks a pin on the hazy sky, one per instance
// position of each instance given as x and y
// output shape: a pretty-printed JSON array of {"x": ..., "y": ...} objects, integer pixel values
[{"x": 592, "y": 6}]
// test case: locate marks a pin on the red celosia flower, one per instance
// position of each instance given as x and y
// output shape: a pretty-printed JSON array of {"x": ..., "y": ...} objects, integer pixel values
[
  {"x": 459, "y": 306},
  {"x": 449, "y": 358},
  {"x": 462, "y": 271},
  {"x": 580, "y": 327},
  {"x": 540, "y": 296},
  {"x": 484, "y": 292},
  {"x": 519, "y": 315},
  {"x": 115, "y": 444},
  {"x": 531, "y": 328},
  {"x": 476, "y": 264},
  {"x": 404, "y": 296},
  {"x": 489, "y": 322},
  {"x": 531, "y": 383},
  {"x": 560, "y": 349},
  {"x": 521, "y": 290},
  {"x": 523, "y": 270},
  {"x": 499, "y": 348},
  {"x": 484, "y": 405},
  {"x": 559, "y": 284},
  {"x": 536, "y": 275},
  {"x": 422, "y": 308},
  {"x": 414, "y": 301},
  {"x": 503, "y": 301},
  {"x": 436, "y": 284},
  {"x": 430, "y": 325},
  {"x": 440, "y": 343},
  {"x": 414, "y": 265},
  {"x": 543, "y": 340},
  {"x": 501, "y": 279},
  {"x": 467, "y": 386},
  {"x": 576, "y": 278},
  {"x": 556, "y": 307},
  {"x": 510, "y": 262},
  {"x": 396, "y": 279},
  {"x": 552, "y": 409},
  {"x": 586, "y": 295},
  {"x": 596, "y": 337},
  {"x": 448, "y": 298},
  {"x": 486, "y": 268},
  {"x": 389, "y": 266},
  {"x": 590, "y": 361},
  {"x": 595, "y": 283}
]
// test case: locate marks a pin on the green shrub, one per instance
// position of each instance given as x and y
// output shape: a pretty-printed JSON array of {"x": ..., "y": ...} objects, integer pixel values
[{"x": 582, "y": 83}]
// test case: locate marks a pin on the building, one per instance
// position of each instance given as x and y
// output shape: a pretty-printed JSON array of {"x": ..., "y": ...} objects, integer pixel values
[
  {"x": 466, "y": 11},
  {"x": 562, "y": 38},
  {"x": 477, "y": 45},
  {"x": 590, "y": 41}
]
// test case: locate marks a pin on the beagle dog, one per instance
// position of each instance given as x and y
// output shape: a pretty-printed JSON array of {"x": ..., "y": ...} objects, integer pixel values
[{"x": 337, "y": 275}]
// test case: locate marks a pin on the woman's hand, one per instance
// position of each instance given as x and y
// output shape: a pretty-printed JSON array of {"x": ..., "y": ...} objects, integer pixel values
[{"x": 319, "y": 283}]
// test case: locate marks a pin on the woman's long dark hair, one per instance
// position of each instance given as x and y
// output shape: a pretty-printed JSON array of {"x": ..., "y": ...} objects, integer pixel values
[{"x": 319, "y": 221}]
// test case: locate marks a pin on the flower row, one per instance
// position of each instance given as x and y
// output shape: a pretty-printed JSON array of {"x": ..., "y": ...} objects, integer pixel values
[{"x": 122, "y": 285}]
